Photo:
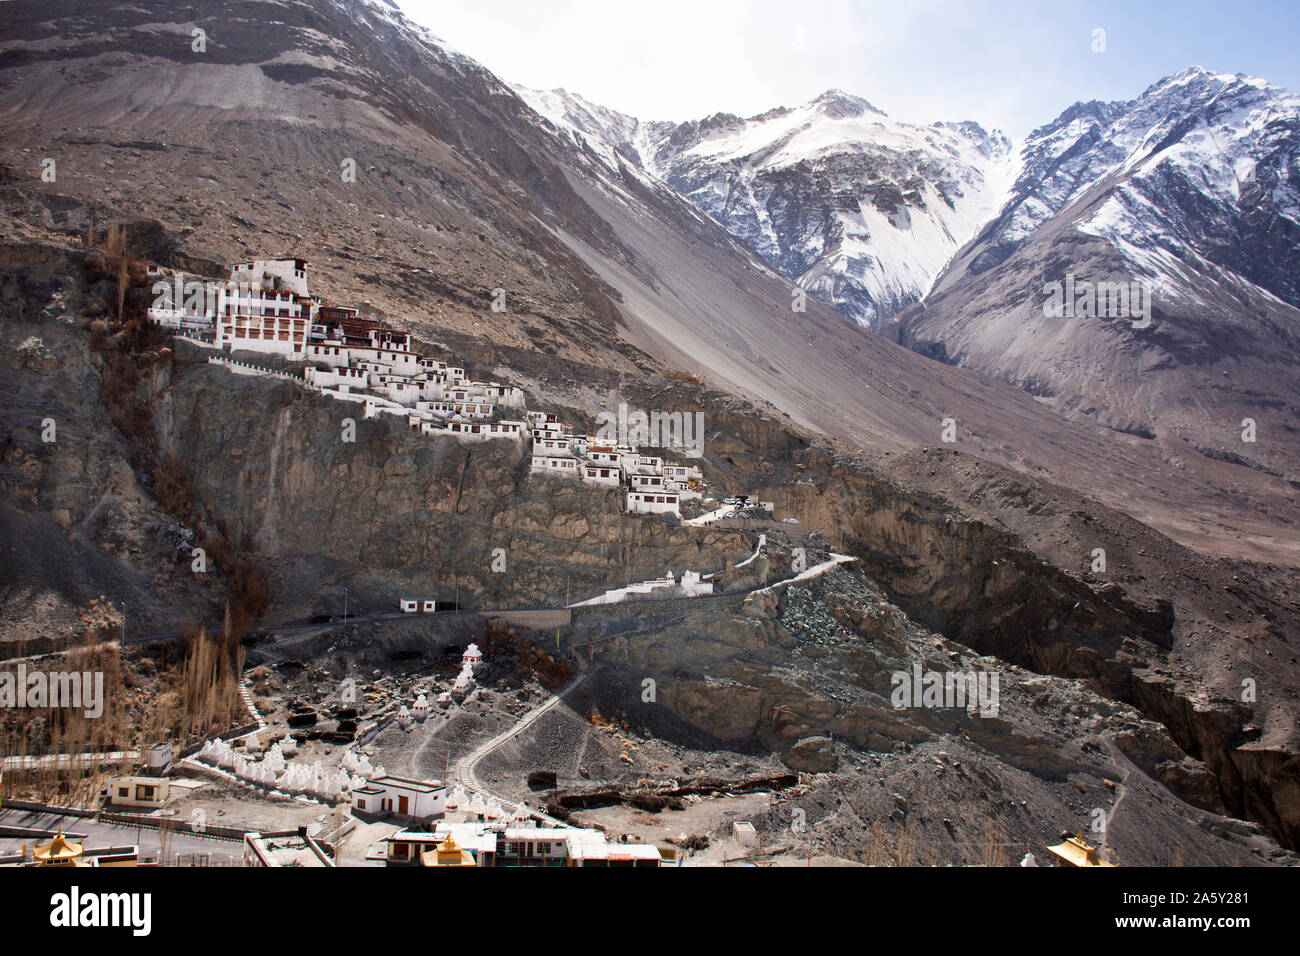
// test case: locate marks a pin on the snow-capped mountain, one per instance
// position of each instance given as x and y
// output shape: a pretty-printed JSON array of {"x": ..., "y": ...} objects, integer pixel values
[
  {"x": 1190, "y": 191},
  {"x": 859, "y": 209},
  {"x": 1195, "y": 150}
]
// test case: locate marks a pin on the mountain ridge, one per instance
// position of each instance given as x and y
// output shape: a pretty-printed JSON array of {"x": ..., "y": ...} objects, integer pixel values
[{"x": 864, "y": 224}]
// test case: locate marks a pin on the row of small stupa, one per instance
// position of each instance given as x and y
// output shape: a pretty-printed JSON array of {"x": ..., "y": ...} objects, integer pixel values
[{"x": 273, "y": 772}]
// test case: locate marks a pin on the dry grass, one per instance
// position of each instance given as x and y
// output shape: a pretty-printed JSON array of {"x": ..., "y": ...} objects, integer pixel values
[{"x": 197, "y": 695}]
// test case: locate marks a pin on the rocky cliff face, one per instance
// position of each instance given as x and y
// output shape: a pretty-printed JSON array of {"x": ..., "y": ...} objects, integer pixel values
[
  {"x": 1005, "y": 566},
  {"x": 80, "y": 522},
  {"x": 394, "y": 514},
  {"x": 808, "y": 671}
]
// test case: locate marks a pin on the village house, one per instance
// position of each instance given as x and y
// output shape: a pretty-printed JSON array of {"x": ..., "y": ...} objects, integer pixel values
[
  {"x": 410, "y": 606},
  {"x": 592, "y": 848},
  {"x": 555, "y": 464},
  {"x": 407, "y": 847},
  {"x": 609, "y": 459},
  {"x": 551, "y": 446},
  {"x": 653, "y": 504},
  {"x": 483, "y": 431},
  {"x": 341, "y": 378},
  {"x": 601, "y": 476},
  {"x": 149, "y": 792},
  {"x": 645, "y": 464},
  {"x": 507, "y": 395},
  {"x": 532, "y": 846},
  {"x": 417, "y": 799},
  {"x": 688, "y": 475},
  {"x": 642, "y": 482}
]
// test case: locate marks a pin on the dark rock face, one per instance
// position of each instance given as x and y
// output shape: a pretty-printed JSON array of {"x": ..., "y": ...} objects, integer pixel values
[
  {"x": 400, "y": 514},
  {"x": 793, "y": 668},
  {"x": 541, "y": 780}
]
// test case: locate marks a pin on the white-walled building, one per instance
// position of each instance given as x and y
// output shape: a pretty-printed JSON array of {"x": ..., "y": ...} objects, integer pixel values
[
  {"x": 506, "y": 395},
  {"x": 138, "y": 791},
  {"x": 289, "y": 274},
  {"x": 555, "y": 464},
  {"x": 606, "y": 459},
  {"x": 551, "y": 446},
  {"x": 262, "y": 323},
  {"x": 597, "y": 475},
  {"x": 418, "y": 606},
  {"x": 645, "y": 465},
  {"x": 417, "y": 799},
  {"x": 483, "y": 431},
  {"x": 642, "y": 482},
  {"x": 541, "y": 419},
  {"x": 346, "y": 378},
  {"x": 265, "y": 307},
  {"x": 685, "y": 474},
  {"x": 639, "y": 502}
]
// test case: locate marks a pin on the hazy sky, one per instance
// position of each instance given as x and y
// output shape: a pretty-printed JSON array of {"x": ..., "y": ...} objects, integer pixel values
[{"x": 1006, "y": 64}]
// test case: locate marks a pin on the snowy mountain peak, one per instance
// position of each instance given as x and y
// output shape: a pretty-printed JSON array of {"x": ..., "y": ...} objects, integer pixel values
[
  {"x": 840, "y": 105},
  {"x": 861, "y": 210},
  {"x": 1151, "y": 174},
  {"x": 865, "y": 211}
]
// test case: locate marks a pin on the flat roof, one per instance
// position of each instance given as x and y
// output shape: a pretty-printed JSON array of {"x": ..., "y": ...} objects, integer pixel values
[{"x": 405, "y": 783}]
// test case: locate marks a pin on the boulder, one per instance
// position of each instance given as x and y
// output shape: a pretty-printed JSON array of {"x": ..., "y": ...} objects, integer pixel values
[{"x": 811, "y": 755}]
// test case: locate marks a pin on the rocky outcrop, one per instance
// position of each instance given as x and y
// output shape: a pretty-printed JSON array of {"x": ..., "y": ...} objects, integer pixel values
[
  {"x": 811, "y": 755},
  {"x": 394, "y": 514}
]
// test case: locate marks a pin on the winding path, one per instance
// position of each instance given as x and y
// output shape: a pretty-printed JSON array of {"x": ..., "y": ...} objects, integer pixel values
[{"x": 464, "y": 770}]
